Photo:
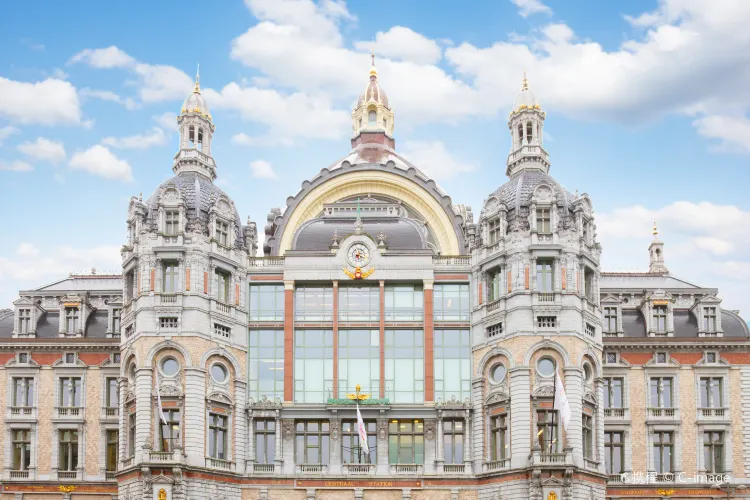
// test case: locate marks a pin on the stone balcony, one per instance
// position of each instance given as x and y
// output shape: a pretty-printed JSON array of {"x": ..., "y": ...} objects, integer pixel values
[
  {"x": 164, "y": 457},
  {"x": 612, "y": 414},
  {"x": 21, "y": 413},
  {"x": 713, "y": 414},
  {"x": 218, "y": 463},
  {"x": 406, "y": 469},
  {"x": 452, "y": 262},
  {"x": 311, "y": 469},
  {"x": 358, "y": 469},
  {"x": 69, "y": 412},
  {"x": 110, "y": 413},
  {"x": 252, "y": 467},
  {"x": 663, "y": 414},
  {"x": 496, "y": 465}
]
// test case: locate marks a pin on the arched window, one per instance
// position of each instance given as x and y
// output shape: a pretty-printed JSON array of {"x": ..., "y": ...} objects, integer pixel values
[
  {"x": 191, "y": 134},
  {"x": 385, "y": 123},
  {"x": 200, "y": 138},
  {"x": 520, "y": 134},
  {"x": 372, "y": 117},
  {"x": 528, "y": 132}
]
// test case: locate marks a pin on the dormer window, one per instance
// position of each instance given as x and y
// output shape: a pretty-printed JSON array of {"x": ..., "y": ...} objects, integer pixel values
[
  {"x": 709, "y": 319},
  {"x": 222, "y": 233},
  {"x": 493, "y": 228},
  {"x": 543, "y": 220},
  {"x": 171, "y": 222},
  {"x": 24, "y": 321},
  {"x": 372, "y": 117},
  {"x": 71, "y": 319},
  {"x": 116, "y": 320},
  {"x": 610, "y": 320},
  {"x": 660, "y": 319}
]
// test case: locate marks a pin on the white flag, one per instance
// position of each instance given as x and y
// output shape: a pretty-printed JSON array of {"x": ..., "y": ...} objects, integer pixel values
[
  {"x": 362, "y": 433},
  {"x": 561, "y": 401},
  {"x": 158, "y": 399}
]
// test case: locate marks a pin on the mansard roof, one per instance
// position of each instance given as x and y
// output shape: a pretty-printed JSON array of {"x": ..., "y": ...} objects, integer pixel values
[
  {"x": 640, "y": 281},
  {"x": 76, "y": 282}
]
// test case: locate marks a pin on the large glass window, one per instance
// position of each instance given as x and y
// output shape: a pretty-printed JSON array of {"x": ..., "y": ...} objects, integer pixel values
[
  {"x": 265, "y": 356},
  {"x": 713, "y": 452},
  {"x": 663, "y": 449},
  {"x": 112, "y": 444},
  {"x": 169, "y": 432},
  {"x": 313, "y": 365},
  {"x": 265, "y": 441},
  {"x": 547, "y": 423},
  {"x": 70, "y": 391},
  {"x": 613, "y": 392},
  {"x": 21, "y": 449},
  {"x": 404, "y": 366},
  {"x": 661, "y": 392},
  {"x": 453, "y": 441},
  {"x": 660, "y": 319},
  {"x": 544, "y": 281},
  {"x": 68, "y": 446},
  {"x": 351, "y": 451},
  {"x": 404, "y": 303},
  {"x": 452, "y": 302},
  {"x": 359, "y": 303},
  {"x": 312, "y": 441},
  {"x": 113, "y": 394},
  {"x": 499, "y": 442},
  {"x": 222, "y": 286},
  {"x": 217, "y": 436},
  {"x": 313, "y": 303},
  {"x": 359, "y": 361},
  {"x": 711, "y": 392},
  {"x": 614, "y": 452},
  {"x": 406, "y": 442},
  {"x": 452, "y": 355},
  {"x": 266, "y": 303},
  {"x": 23, "y": 391}
]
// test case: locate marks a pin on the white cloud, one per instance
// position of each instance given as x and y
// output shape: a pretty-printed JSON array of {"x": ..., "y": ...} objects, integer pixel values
[
  {"x": 262, "y": 170},
  {"x": 98, "y": 160},
  {"x": 402, "y": 43},
  {"x": 528, "y": 7},
  {"x": 733, "y": 132},
  {"x": 155, "y": 137},
  {"x": 15, "y": 166},
  {"x": 108, "y": 95},
  {"x": 44, "y": 150},
  {"x": 434, "y": 159},
  {"x": 49, "y": 102},
  {"x": 166, "y": 120},
  {"x": 109, "y": 57},
  {"x": 6, "y": 132}
]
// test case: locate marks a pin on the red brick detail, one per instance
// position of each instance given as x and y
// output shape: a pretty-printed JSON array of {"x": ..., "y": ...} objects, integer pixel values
[
  {"x": 153, "y": 279},
  {"x": 46, "y": 358},
  {"x": 637, "y": 358},
  {"x": 205, "y": 282},
  {"x": 373, "y": 138},
  {"x": 236, "y": 294},
  {"x": 382, "y": 339},
  {"x": 93, "y": 358},
  {"x": 429, "y": 376},
  {"x": 737, "y": 358},
  {"x": 480, "y": 293},
  {"x": 564, "y": 279},
  {"x": 451, "y": 277},
  {"x": 335, "y": 340},
  {"x": 267, "y": 277},
  {"x": 526, "y": 277},
  {"x": 187, "y": 279},
  {"x": 578, "y": 280},
  {"x": 288, "y": 345},
  {"x": 687, "y": 358},
  {"x": 5, "y": 357},
  {"x": 510, "y": 282}
]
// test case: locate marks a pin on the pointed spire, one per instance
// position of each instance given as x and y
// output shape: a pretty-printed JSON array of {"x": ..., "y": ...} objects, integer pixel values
[
  {"x": 655, "y": 231},
  {"x": 197, "y": 88},
  {"x": 373, "y": 71},
  {"x": 525, "y": 85}
]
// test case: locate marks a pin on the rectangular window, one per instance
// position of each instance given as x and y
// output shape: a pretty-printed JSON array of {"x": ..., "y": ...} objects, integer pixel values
[
  {"x": 499, "y": 440},
  {"x": 494, "y": 230},
  {"x": 660, "y": 319},
  {"x": 587, "y": 422},
  {"x": 312, "y": 442},
  {"x": 494, "y": 284},
  {"x": 171, "y": 222},
  {"x": 70, "y": 391},
  {"x": 404, "y": 303},
  {"x": 71, "y": 320},
  {"x": 547, "y": 422},
  {"x": 713, "y": 452},
  {"x": 113, "y": 393},
  {"x": 129, "y": 285},
  {"x": 222, "y": 286},
  {"x": 313, "y": 365},
  {"x": 169, "y": 283},
  {"x": 68, "y": 451},
  {"x": 222, "y": 331},
  {"x": 169, "y": 432},
  {"x": 661, "y": 392},
  {"x": 613, "y": 392},
  {"x": 351, "y": 451},
  {"x": 404, "y": 366},
  {"x": 23, "y": 391},
  {"x": 453, "y": 441},
  {"x": 131, "y": 434},
  {"x": 116, "y": 313},
  {"x": 168, "y": 323},
  {"x": 265, "y": 441},
  {"x": 711, "y": 392},
  {"x": 452, "y": 302},
  {"x": 588, "y": 284},
  {"x": 614, "y": 452},
  {"x": 359, "y": 303},
  {"x": 544, "y": 281},
  {"x": 709, "y": 319},
  {"x": 663, "y": 449},
  {"x": 112, "y": 445},
  {"x": 21, "y": 449},
  {"x": 610, "y": 319},
  {"x": 266, "y": 363},
  {"x": 406, "y": 442},
  {"x": 217, "y": 436},
  {"x": 266, "y": 303},
  {"x": 313, "y": 303},
  {"x": 222, "y": 233},
  {"x": 24, "y": 321},
  {"x": 452, "y": 355},
  {"x": 546, "y": 321},
  {"x": 543, "y": 220},
  {"x": 359, "y": 361}
]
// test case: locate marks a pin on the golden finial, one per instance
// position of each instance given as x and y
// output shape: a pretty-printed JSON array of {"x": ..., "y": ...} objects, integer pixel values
[
  {"x": 525, "y": 85},
  {"x": 197, "y": 88},
  {"x": 373, "y": 71},
  {"x": 656, "y": 231}
]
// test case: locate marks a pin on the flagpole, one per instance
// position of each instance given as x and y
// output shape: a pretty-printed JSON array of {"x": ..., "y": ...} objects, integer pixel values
[{"x": 554, "y": 412}]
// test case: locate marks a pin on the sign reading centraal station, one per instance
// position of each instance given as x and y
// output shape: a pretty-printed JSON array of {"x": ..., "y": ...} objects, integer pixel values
[{"x": 357, "y": 484}]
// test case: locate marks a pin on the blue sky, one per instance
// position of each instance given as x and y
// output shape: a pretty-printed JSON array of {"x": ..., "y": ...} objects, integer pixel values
[{"x": 647, "y": 111}]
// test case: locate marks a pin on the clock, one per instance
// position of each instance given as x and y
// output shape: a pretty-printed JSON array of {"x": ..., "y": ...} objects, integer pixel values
[{"x": 358, "y": 255}]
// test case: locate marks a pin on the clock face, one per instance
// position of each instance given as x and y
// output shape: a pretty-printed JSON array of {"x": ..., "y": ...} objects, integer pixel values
[{"x": 359, "y": 255}]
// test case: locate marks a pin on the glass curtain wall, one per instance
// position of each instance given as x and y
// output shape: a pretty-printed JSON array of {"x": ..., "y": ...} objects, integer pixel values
[
  {"x": 452, "y": 364},
  {"x": 359, "y": 361},
  {"x": 313, "y": 303},
  {"x": 404, "y": 366},
  {"x": 313, "y": 365},
  {"x": 359, "y": 303},
  {"x": 451, "y": 302},
  {"x": 265, "y": 355},
  {"x": 404, "y": 303}
]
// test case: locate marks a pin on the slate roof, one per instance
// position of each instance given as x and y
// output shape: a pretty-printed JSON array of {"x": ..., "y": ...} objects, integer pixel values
[
  {"x": 640, "y": 281},
  {"x": 100, "y": 282},
  {"x": 401, "y": 233},
  {"x": 48, "y": 326},
  {"x": 685, "y": 324},
  {"x": 518, "y": 190}
]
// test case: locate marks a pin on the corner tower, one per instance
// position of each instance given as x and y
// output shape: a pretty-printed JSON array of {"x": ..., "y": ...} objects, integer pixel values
[
  {"x": 656, "y": 254},
  {"x": 372, "y": 118},
  {"x": 196, "y": 128},
  {"x": 526, "y": 124}
]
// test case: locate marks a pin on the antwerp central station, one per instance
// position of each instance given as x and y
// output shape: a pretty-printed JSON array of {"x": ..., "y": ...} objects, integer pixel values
[{"x": 223, "y": 364}]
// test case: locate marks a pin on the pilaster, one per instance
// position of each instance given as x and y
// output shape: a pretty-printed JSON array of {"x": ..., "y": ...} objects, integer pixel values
[
  {"x": 194, "y": 419},
  {"x": 143, "y": 423},
  {"x": 574, "y": 392},
  {"x": 520, "y": 416}
]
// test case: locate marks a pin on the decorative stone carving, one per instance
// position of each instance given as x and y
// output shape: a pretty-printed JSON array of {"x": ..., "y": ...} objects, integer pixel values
[
  {"x": 383, "y": 430},
  {"x": 544, "y": 391},
  {"x": 335, "y": 429},
  {"x": 429, "y": 430},
  {"x": 452, "y": 404},
  {"x": 265, "y": 404},
  {"x": 535, "y": 485},
  {"x": 567, "y": 489},
  {"x": 287, "y": 427}
]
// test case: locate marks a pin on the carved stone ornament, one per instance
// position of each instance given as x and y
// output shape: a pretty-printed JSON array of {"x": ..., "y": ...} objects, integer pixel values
[
  {"x": 452, "y": 404},
  {"x": 287, "y": 427},
  {"x": 496, "y": 397},
  {"x": 265, "y": 404},
  {"x": 220, "y": 397},
  {"x": 543, "y": 193},
  {"x": 383, "y": 430},
  {"x": 335, "y": 429},
  {"x": 169, "y": 390},
  {"x": 567, "y": 489},
  {"x": 535, "y": 486},
  {"x": 544, "y": 391},
  {"x": 429, "y": 430}
]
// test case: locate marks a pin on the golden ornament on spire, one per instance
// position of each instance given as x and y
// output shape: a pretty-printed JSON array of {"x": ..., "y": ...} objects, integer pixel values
[
  {"x": 656, "y": 231},
  {"x": 373, "y": 71},
  {"x": 197, "y": 87},
  {"x": 525, "y": 85}
]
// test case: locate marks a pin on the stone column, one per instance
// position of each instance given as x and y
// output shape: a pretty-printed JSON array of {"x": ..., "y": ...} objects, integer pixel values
[
  {"x": 240, "y": 425},
  {"x": 382, "y": 458},
  {"x": 429, "y": 377},
  {"x": 122, "y": 445},
  {"x": 278, "y": 459},
  {"x": 143, "y": 405},
  {"x": 520, "y": 416},
  {"x": 288, "y": 341},
  {"x": 599, "y": 424},
  {"x": 194, "y": 419},
  {"x": 439, "y": 452},
  {"x": 250, "y": 455},
  {"x": 574, "y": 391},
  {"x": 334, "y": 450},
  {"x": 477, "y": 394},
  {"x": 467, "y": 441}
]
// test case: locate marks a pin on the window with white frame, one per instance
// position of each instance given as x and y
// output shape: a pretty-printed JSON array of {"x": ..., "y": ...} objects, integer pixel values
[
  {"x": 222, "y": 233},
  {"x": 711, "y": 394},
  {"x": 23, "y": 391},
  {"x": 171, "y": 222},
  {"x": 218, "y": 426},
  {"x": 24, "y": 321},
  {"x": 543, "y": 220},
  {"x": 659, "y": 316},
  {"x": 71, "y": 319},
  {"x": 21, "y": 443},
  {"x": 662, "y": 392},
  {"x": 709, "y": 319},
  {"x": 312, "y": 440},
  {"x": 713, "y": 452}
]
